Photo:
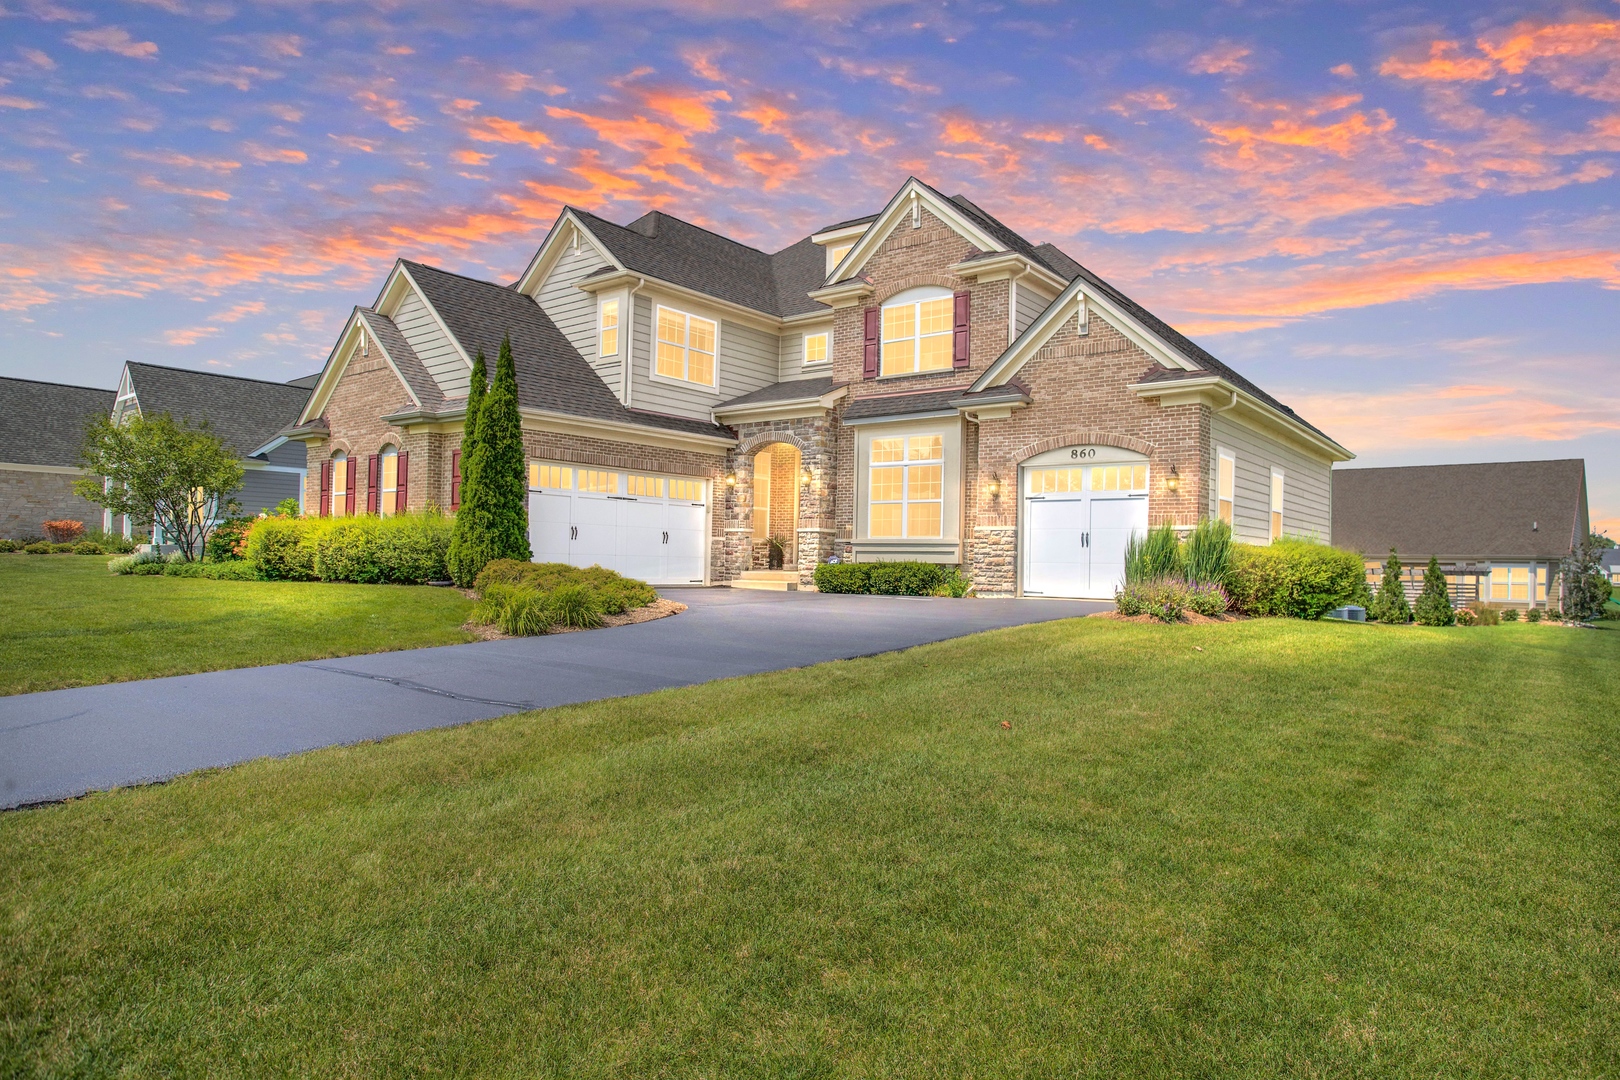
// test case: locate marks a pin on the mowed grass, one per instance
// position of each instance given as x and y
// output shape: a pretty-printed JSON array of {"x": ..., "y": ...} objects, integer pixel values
[
  {"x": 68, "y": 622},
  {"x": 1308, "y": 850}
]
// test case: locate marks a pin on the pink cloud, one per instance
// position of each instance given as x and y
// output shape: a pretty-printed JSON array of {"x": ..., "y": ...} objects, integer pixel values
[{"x": 113, "y": 40}]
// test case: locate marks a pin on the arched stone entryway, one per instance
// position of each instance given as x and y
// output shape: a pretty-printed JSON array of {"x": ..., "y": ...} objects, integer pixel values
[{"x": 774, "y": 487}]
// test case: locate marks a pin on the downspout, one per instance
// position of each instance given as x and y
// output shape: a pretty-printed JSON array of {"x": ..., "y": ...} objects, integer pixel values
[{"x": 630, "y": 340}]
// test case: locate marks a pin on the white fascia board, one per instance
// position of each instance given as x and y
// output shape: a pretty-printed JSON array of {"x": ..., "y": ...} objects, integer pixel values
[
  {"x": 844, "y": 294},
  {"x": 878, "y": 231},
  {"x": 403, "y": 381},
  {"x": 1066, "y": 306},
  {"x": 804, "y": 317},
  {"x": 847, "y": 232},
  {"x": 1007, "y": 264},
  {"x": 331, "y": 371},
  {"x": 678, "y": 293},
  {"x": 551, "y": 249},
  {"x": 782, "y": 409},
  {"x": 1211, "y": 389},
  {"x": 274, "y": 444},
  {"x": 900, "y": 418}
]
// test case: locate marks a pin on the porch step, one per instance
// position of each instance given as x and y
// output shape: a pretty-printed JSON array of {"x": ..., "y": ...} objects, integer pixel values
[{"x": 770, "y": 580}]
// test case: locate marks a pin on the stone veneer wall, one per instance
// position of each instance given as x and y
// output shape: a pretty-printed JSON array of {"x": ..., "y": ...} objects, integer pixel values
[
  {"x": 817, "y": 439},
  {"x": 29, "y": 498},
  {"x": 1078, "y": 384}
]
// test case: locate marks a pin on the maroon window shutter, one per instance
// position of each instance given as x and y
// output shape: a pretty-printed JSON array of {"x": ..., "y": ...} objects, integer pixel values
[
  {"x": 959, "y": 355},
  {"x": 401, "y": 480},
  {"x": 455, "y": 479},
  {"x": 373, "y": 482},
  {"x": 348, "y": 499},
  {"x": 874, "y": 322},
  {"x": 326, "y": 489}
]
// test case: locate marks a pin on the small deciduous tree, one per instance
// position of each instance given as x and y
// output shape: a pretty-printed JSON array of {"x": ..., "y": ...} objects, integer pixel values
[
  {"x": 1585, "y": 588},
  {"x": 1433, "y": 606},
  {"x": 154, "y": 468},
  {"x": 1390, "y": 605}
]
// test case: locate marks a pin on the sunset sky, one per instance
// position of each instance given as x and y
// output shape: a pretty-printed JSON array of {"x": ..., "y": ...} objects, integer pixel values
[{"x": 1401, "y": 219}]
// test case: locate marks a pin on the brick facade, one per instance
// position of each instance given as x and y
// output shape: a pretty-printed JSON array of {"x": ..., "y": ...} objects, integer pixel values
[{"x": 368, "y": 391}]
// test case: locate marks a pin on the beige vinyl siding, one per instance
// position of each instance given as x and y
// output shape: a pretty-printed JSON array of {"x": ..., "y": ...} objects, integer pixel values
[
  {"x": 748, "y": 359},
  {"x": 574, "y": 311},
  {"x": 1030, "y": 304},
  {"x": 432, "y": 345},
  {"x": 792, "y": 356},
  {"x": 1307, "y": 483}
]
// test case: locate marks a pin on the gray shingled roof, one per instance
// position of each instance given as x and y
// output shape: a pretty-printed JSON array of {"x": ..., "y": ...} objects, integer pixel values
[
  {"x": 306, "y": 382},
  {"x": 791, "y": 390},
  {"x": 551, "y": 373},
  {"x": 42, "y": 423},
  {"x": 1495, "y": 510},
  {"x": 929, "y": 401},
  {"x": 244, "y": 413},
  {"x": 798, "y": 269}
]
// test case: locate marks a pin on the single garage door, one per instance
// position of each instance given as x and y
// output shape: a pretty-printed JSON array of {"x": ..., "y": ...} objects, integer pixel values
[
  {"x": 1077, "y": 520},
  {"x": 640, "y": 524}
]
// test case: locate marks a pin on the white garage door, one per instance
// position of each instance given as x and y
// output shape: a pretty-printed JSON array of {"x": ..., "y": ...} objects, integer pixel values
[
  {"x": 642, "y": 525},
  {"x": 1077, "y": 520}
]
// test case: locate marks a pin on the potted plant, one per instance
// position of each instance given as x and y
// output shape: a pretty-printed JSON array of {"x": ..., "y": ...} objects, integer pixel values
[{"x": 775, "y": 552}]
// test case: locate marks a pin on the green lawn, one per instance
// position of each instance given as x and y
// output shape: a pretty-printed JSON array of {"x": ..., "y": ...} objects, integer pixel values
[
  {"x": 69, "y": 622},
  {"x": 1308, "y": 850}
]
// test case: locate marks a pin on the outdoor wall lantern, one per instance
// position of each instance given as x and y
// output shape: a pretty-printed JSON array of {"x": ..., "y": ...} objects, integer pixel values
[
  {"x": 994, "y": 487},
  {"x": 1173, "y": 481},
  {"x": 731, "y": 479},
  {"x": 804, "y": 478}
]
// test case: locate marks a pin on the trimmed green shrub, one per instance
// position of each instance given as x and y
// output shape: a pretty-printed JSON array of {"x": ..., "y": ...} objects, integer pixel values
[
  {"x": 88, "y": 547},
  {"x": 955, "y": 584},
  {"x": 148, "y": 567},
  {"x": 1433, "y": 607},
  {"x": 277, "y": 547},
  {"x": 1207, "y": 554},
  {"x": 9, "y": 546},
  {"x": 404, "y": 549},
  {"x": 1390, "y": 605},
  {"x": 287, "y": 508},
  {"x": 228, "y": 540},
  {"x": 1154, "y": 556},
  {"x": 844, "y": 577},
  {"x": 1533, "y": 615},
  {"x": 62, "y": 548},
  {"x": 113, "y": 543},
  {"x": 1298, "y": 579},
  {"x": 574, "y": 606},
  {"x": 614, "y": 593},
  {"x": 38, "y": 547},
  {"x": 1163, "y": 598},
  {"x": 1510, "y": 614},
  {"x": 906, "y": 578},
  {"x": 230, "y": 570}
]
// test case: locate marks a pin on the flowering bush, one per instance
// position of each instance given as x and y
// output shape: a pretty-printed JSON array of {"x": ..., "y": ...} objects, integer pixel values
[
  {"x": 63, "y": 532},
  {"x": 1162, "y": 598}
]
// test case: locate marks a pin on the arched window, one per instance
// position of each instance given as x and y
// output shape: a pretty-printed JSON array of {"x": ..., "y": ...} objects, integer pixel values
[
  {"x": 917, "y": 331},
  {"x": 340, "y": 484},
  {"x": 389, "y": 484}
]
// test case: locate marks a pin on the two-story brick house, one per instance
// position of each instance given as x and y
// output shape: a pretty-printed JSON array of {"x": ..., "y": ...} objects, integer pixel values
[{"x": 919, "y": 383}]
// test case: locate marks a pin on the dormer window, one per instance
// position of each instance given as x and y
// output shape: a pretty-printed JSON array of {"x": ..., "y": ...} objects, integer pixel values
[
  {"x": 608, "y": 336},
  {"x": 835, "y": 255}
]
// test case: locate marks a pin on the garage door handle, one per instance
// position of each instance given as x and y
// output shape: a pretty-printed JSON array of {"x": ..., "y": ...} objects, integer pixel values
[
  {"x": 573, "y": 532},
  {"x": 666, "y": 538}
]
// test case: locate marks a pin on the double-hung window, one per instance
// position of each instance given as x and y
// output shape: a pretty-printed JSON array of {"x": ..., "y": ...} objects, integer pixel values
[
  {"x": 340, "y": 484},
  {"x": 389, "y": 486},
  {"x": 1276, "y": 503},
  {"x": 686, "y": 345},
  {"x": 607, "y": 343},
  {"x": 907, "y": 487},
  {"x": 815, "y": 348},
  {"x": 1225, "y": 485},
  {"x": 917, "y": 336}
]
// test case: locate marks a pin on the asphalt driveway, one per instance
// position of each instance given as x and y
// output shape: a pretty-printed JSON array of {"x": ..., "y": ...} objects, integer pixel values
[{"x": 63, "y": 743}]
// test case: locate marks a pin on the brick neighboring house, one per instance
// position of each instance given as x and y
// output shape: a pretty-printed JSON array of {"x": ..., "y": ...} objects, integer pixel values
[
  {"x": 918, "y": 383},
  {"x": 248, "y": 415},
  {"x": 41, "y": 432},
  {"x": 1500, "y": 529}
]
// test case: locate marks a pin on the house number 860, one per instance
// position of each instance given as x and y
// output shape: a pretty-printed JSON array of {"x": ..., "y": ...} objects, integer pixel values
[{"x": 1082, "y": 453}]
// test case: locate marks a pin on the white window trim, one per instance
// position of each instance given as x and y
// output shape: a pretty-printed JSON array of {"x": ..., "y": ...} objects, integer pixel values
[
  {"x": 652, "y": 350},
  {"x": 804, "y": 349},
  {"x": 1531, "y": 579},
  {"x": 388, "y": 451},
  {"x": 1277, "y": 505},
  {"x": 905, "y": 502},
  {"x": 618, "y": 326},
  {"x": 1223, "y": 454},
  {"x": 914, "y": 299}
]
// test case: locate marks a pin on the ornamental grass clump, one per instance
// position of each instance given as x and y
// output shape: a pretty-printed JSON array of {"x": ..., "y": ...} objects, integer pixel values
[
  {"x": 614, "y": 593},
  {"x": 1207, "y": 554},
  {"x": 575, "y": 607},
  {"x": 1154, "y": 556}
]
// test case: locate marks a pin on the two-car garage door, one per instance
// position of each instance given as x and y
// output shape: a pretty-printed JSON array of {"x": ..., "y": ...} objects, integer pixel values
[{"x": 644, "y": 526}]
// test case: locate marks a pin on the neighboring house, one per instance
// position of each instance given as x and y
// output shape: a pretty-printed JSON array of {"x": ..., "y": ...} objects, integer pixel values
[
  {"x": 921, "y": 383},
  {"x": 1499, "y": 529},
  {"x": 1611, "y": 569},
  {"x": 42, "y": 429},
  {"x": 248, "y": 415}
]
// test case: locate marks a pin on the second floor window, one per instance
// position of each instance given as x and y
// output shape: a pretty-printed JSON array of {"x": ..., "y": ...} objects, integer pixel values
[
  {"x": 686, "y": 345},
  {"x": 917, "y": 336},
  {"x": 815, "y": 348},
  {"x": 608, "y": 344}
]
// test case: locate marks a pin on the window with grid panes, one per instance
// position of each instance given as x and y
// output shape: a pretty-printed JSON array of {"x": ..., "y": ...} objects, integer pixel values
[{"x": 906, "y": 497}]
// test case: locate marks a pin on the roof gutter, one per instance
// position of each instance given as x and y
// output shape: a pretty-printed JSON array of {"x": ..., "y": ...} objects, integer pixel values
[{"x": 1196, "y": 388}]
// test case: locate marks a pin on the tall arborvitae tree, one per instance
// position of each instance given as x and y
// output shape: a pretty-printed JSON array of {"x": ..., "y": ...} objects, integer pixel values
[
  {"x": 503, "y": 475},
  {"x": 1390, "y": 605},
  {"x": 1433, "y": 606},
  {"x": 463, "y": 552}
]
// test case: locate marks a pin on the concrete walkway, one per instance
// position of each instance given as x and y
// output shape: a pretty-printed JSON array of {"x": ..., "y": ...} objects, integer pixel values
[{"x": 63, "y": 743}]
